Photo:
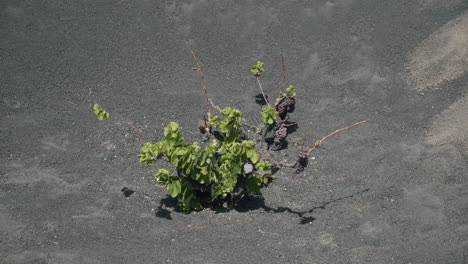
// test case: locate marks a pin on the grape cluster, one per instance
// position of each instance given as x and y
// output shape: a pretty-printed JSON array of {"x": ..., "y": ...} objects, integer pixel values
[
  {"x": 280, "y": 137},
  {"x": 301, "y": 162},
  {"x": 287, "y": 105}
]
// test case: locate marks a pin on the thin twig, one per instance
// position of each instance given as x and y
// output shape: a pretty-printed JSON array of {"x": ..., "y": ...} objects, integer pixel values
[
  {"x": 203, "y": 81},
  {"x": 283, "y": 79},
  {"x": 208, "y": 101},
  {"x": 138, "y": 131},
  {"x": 317, "y": 144},
  {"x": 298, "y": 122},
  {"x": 261, "y": 90}
]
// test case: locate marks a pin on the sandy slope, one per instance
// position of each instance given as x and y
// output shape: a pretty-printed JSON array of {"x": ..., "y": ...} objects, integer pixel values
[
  {"x": 442, "y": 57},
  {"x": 451, "y": 125}
]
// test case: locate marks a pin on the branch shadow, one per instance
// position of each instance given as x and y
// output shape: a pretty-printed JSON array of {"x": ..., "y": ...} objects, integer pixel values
[
  {"x": 260, "y": 100},
  {"x": 291, "y": 128},
  {"x": 252, "y": 203}
]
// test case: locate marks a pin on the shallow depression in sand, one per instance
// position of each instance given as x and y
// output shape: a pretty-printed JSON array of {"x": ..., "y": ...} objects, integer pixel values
[{"x": 432, "y": 4}]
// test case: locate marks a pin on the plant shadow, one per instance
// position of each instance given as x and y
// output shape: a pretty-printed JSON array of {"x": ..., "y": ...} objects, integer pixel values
[
  {"x": 260, "y": 100},
  {"x": 291, "y": 128},
  {"x": 252, "y": 203}
]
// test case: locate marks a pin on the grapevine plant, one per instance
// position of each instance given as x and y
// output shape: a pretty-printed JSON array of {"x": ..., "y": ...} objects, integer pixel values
[
  {"x": 230, "y": 165},
  {"x": 227, "y": 168}
]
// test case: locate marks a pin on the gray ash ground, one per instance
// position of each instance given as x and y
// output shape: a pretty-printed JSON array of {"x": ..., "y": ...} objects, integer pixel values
[{"x": 393, "y": 190}]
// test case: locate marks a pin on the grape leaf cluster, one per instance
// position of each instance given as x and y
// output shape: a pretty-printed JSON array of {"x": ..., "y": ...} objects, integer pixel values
[
  {"x": 99, "y": 112},
  {"x": 258, "y": 69},
  {"x": 269, "y": 115},
  {"x": 216, "y": 170}
]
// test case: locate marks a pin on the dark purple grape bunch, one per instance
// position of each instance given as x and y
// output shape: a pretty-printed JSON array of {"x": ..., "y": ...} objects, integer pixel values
[
  {"x": 281, "y": 133},
  {"x": 287, "y": 105},
  {"x": 301, "y": 162}
]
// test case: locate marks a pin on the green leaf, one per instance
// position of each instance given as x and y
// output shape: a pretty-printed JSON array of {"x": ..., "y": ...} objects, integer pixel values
[
  {"x": 183, "y": 157},
  {"x": 187, "y": 197},
  {"x": 266, "y": 178},
  {"x": 258, "y": 69},
  {"x": 226, "y": 186},
  {"x": 269, "y": 115},
  {"x": 231, "y": 123},
  {"x": 253, "y": 155},
  {"x": 263, "y": 165},
  {"x": 172, "y": 134},
  {"x": 163, "y": 176},
  {"x": 214, "y": 121},
  {"x": 174, "y": 188},
  {"x": 291, "y": 91},
  {"x": 251, "y": 151},
  {"x": 146, "y": 154},
  {"x": 99, "y": 112},
  {"x": 254, "y": 182}
]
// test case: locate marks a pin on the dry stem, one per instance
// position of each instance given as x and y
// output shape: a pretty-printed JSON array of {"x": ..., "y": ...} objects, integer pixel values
[
  {"x": 261, "y": 90},
  {"x": 138, "y": 132},
  {"x": 283, "y": 79},
  {"x": 317, "y": 144},
  {"x": 208, "y": 101},
  {"x": 298, "y": 122}
]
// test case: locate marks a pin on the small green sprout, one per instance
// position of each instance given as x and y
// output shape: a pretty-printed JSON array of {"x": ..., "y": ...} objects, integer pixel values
[
  {"x": 291, "y": 91},
  {"x": 100, "y": 113},
  {"x": 269, "y": 115},
  {"x": 258, "y": 69}
]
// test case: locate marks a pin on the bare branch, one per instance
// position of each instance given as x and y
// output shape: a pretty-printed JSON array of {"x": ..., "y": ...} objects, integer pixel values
[
  {"x": 317, "y": 144},
  {"x": 298, "y": 122},
  {"x": 283, "y": 79},
  {"x": 208, "y": 101},
  {"x": 261, "y": 90},
  {"x": 137, "y": 131}
]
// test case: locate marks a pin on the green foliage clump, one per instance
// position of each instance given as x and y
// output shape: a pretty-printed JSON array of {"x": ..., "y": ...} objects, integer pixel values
[
  {"x": 291, "y": 91},
  {"x": 215, "y": 171},
  {"x": 269, "y": 115},
  {"x": 258, "y": 69},
  {"x": 214, "y": 121},
  {"x": 99, "y": 112}
]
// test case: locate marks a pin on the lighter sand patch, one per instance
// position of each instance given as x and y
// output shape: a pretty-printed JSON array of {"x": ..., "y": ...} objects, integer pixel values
[
  {"x": 451, "y": 125},
  {"x": 442, "y": 57},
  {"x": 432, "y": 4}
]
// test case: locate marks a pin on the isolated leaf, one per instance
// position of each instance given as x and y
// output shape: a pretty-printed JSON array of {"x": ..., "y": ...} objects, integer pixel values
[
  {"x": 291, "y": 91},
  {"x": 269, "y": 115},
  {"x": 258, "y": 69},
  {"x": 99, "y": 112},
  {"x": 174, "y": 188}
]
